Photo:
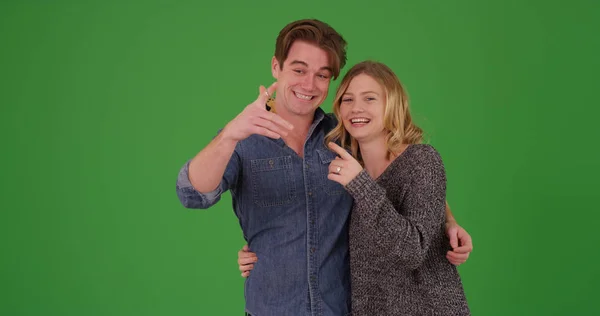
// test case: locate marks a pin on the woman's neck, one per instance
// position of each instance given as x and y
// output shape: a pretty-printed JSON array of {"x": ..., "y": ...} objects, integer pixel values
[{"x": 375, "y": 156}]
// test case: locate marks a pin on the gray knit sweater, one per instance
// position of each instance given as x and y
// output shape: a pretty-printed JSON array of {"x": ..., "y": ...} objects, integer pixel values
[{"x": 398, "y": 242}]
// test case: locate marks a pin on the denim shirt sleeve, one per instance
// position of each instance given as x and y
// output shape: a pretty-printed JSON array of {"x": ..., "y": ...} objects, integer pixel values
[{"x": 191, "y": 198}]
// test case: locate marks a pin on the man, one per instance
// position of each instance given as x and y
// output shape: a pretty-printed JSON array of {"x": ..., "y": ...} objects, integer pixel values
[{"x": 275, "y": 166}]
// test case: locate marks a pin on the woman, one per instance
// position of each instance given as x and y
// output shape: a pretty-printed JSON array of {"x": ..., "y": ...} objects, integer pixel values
[{"x": 398, "y": 244}]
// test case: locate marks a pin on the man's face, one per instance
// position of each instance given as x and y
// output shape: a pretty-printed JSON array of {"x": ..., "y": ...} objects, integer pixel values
[{"x": 303, "y": 83}]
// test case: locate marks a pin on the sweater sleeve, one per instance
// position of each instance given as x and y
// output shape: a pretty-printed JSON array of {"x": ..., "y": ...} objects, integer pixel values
[{"x": 406, "y": 236}]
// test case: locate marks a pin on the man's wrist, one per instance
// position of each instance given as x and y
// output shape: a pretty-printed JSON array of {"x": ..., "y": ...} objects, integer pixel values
[{"x": 225, "y": 136}]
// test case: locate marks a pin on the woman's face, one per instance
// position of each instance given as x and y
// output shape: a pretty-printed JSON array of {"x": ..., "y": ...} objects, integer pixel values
[{"x": 362, "y": 108}]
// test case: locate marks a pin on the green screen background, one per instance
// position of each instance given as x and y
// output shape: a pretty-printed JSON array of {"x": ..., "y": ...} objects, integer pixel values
[{"x": 103, "y": 102}]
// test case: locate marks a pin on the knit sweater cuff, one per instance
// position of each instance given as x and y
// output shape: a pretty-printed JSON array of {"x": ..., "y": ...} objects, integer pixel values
[{"x": 363, "y": 187}]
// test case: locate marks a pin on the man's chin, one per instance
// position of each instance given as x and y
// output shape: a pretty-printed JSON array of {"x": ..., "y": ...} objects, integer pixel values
[{"x": 304, "y": 109}]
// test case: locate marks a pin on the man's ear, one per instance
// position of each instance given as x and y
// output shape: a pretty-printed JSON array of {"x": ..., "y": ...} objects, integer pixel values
[{"x": 275, "y": 68}]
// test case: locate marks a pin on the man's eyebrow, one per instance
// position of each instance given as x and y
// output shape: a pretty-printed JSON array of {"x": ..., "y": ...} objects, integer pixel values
[
  {"x": 299, "y": 62},
  {"x": 327, "y": 68}
]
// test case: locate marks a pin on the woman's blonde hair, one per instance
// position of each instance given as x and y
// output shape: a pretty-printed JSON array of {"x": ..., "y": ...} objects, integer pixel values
[{"x": 397, "y": 120}]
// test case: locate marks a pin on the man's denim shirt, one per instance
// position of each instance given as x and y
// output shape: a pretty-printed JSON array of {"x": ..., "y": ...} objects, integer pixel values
[{"x": 294, "y": 219}]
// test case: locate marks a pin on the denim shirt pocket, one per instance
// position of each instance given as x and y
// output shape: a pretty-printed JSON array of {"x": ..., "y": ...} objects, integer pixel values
[
  {"x": 272, "y": 181},
  {"x": 330, "y": 187}
]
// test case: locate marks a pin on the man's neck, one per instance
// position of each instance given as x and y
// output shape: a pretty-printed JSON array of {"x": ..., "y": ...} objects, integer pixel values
[
  {"x": 296, "y": 137},
  {"x": 301, "y": 124}
]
